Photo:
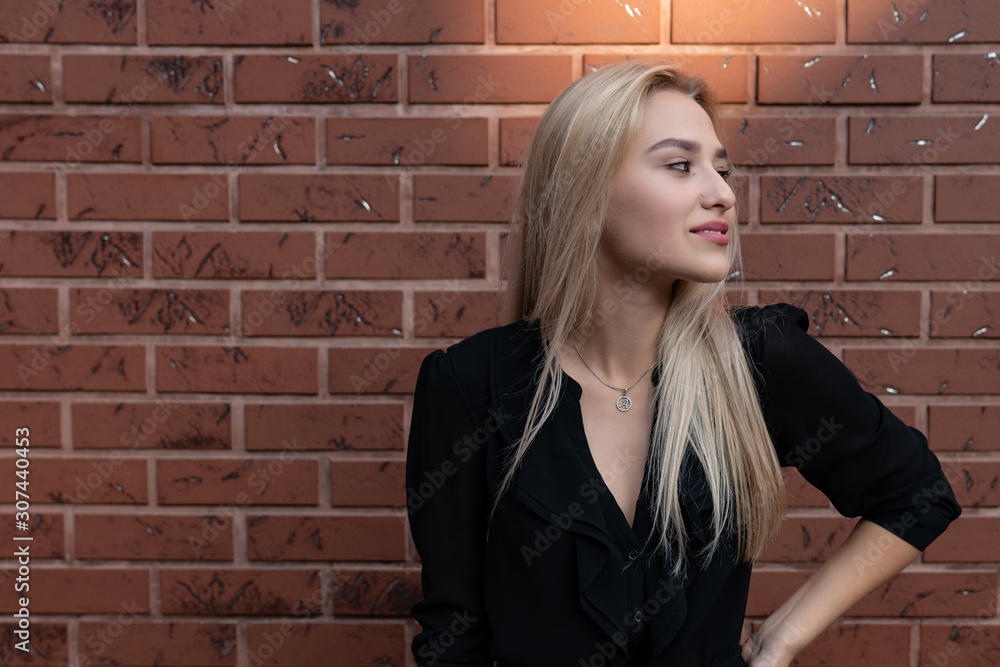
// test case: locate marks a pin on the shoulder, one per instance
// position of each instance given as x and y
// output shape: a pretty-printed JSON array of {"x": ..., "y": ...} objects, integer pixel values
[
  {"x": 474, "y": 351},
  {"x": 471, "y": 361},
  {"x": 780, "y": 315},
  {"x": 760, "y": 326}
]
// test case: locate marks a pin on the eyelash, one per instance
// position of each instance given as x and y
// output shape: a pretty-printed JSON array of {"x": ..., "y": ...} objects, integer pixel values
[{"x": 725, "y": 173}]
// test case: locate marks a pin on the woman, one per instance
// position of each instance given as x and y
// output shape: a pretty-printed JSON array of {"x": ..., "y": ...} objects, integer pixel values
[{"x": 591, "y": 483}]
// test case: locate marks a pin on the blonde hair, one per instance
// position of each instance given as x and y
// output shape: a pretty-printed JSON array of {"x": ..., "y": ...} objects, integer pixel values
[{"x": 705, "y": 398}]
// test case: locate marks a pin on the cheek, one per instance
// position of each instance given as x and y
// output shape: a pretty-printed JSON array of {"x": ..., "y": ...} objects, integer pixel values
[{"x": 646, "y": 200}]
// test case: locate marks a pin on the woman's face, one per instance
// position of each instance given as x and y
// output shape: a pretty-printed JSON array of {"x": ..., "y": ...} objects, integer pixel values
[{"x": 672, "y": 181}]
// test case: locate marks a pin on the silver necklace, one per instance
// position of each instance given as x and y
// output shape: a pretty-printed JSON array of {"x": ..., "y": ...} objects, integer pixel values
[{"x": 624, "y": 402}]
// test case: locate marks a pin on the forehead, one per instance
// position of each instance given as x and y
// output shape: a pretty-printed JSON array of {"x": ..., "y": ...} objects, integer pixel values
[{"x": 673, "y": 114}]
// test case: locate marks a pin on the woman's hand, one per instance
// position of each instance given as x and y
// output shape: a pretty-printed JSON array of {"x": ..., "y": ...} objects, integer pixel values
[
  {"x": 844, "y": 579},
  {"x": 758, "y": 651}
]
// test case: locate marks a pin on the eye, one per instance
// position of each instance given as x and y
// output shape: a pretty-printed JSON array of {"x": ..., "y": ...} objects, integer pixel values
[
  {"x": 686, "y": 166},
  {"x": 726, "y": 173}
]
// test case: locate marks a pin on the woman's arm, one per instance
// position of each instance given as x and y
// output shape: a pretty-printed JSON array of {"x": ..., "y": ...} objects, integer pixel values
[
  {"x": 847, "y": 443},
  {"x": 871, "y": 556},
  {"x": 446, "y": 506}
]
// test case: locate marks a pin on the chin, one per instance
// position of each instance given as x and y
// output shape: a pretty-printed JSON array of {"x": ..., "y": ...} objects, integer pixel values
[{"x": 711, "y": 277}]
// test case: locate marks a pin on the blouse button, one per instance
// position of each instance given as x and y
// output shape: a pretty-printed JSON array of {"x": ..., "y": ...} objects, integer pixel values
[
  {"x": 638, "y": 616},
  {"x": 633, "y": 554}
]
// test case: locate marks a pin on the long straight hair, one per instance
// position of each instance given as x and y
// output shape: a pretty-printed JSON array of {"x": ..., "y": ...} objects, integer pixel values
[{"x": 705, "y": 400}]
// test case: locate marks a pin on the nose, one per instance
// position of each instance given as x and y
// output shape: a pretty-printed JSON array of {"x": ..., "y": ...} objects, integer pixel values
[{"x": 718, "y": 193}]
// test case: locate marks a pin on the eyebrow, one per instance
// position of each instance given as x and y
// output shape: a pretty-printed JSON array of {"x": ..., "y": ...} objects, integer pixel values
[{"x": 684, "y": 144}]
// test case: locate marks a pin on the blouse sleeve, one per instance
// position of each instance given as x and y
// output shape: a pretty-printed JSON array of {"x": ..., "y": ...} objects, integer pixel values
[
  {"x": 842, "y": 438},
  {"x": 446, "y": 507}
]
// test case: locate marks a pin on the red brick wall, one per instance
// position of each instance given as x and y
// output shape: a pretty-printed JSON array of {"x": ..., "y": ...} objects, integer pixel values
[{"x": 231, "y": 229}]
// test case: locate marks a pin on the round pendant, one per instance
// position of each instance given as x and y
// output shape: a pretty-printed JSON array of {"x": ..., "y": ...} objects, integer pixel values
[{"x": 624, "y": 403}]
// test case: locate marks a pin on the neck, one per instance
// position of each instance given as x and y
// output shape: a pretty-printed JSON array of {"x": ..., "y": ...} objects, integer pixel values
[{"x": 621, "y": 346}]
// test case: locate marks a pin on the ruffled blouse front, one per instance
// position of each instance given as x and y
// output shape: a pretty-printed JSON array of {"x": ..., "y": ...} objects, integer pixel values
[{"x": 657, "y": 603}]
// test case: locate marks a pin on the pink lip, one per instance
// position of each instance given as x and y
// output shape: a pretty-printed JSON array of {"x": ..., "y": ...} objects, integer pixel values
[
  {"x": 721, "y": 239},
  {"x": 714, "y": 226}
]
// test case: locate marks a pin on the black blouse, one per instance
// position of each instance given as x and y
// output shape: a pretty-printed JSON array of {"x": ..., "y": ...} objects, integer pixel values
[{"x": 561, "y": 578}]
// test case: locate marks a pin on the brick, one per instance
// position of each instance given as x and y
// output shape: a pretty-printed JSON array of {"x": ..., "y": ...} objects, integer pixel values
[
  {"x": 558, "y": 22},
  {"x": 910, "y": 594},
  {"x": 110, "y": 480},
  {"x": 149, "y": 425},
  {"x": 148, "y": 311},
  {"x": 153, "y": 537},
  {"x": 921, "y": 22},
  {"x": 807, "y": 539},
  {"x": 48, "y": 640},
  {"x": 240, "y": 591},
  {"x": 233, "y": 140},
  {"x": 449, "y": 313},
  {"x": 341, "y": 78},
  {"x": 25, "y": 79},
  {"x": 488, "y": 79},
  {"x": 465, "y": 197},
  {"x": 726, "y": 73},
  {"x": 935, "y": 371},
  {"x": 833, "y": 79},
  {"x": 780, "y": 22},
  {"x": 81, "y": 590},
  {"x": 29, "y": 311},
  {"x": 515, "y": 133},
  {"x": 774, "y": 256},
  {"x": 410, "y": 22},
  {"x": 337, "y": 644},
  {"x": 923, "y": 140},
  {"x": 375, "y": 592},
  {"x": 867, "y": 313},
  {"x": 855, "y": 644},
  {"x": 144, "y": 196},
  {"x": 140, "y": 642},
  {"x": 234, "y": 255},
  {"x": 70, "y": 139},
  {"x": 740, "y": 184},
  {"x": 406, "y": 255},
  {"x": 969, "y": 539},
  {"x": 367, "y": 370},
  {"x": 52, "y": 367},
  {"x": 963, "y": 427},
  {"x": 965, "y": 78},
  {"x": 319, "y": 198},
  {"x": 322, "y": 313},
  {"x": 931, "y": 256},
  {"x": 29, "y": 195},
  {"x": 962, "y": 313},
  {"x": 780, "y": 140},
  {"x": 958, "y": 644},
  {"x": 975, "y": 483},
  {"x": 966, "y": 197},
  {"x": 184, "y": 22},
  {"x": 40, "y": 417},
  {"x": 907, "y": 413},
  {"x": 841, "y": 199},
  {"x": 257, "y": 481},
  {"x": 327, "y": 426},
  {"x": 367, "y": 482},
  {"x": 46, "y": 530},
  {"x": 143, "y": 79},
  {"x": 409, "y": 142},
  {"x": 284, "y": 537},
  {"x": 68, "y": 23},
  {"x": 801, "y": 493},
  {"x": 222, "y": 370}
]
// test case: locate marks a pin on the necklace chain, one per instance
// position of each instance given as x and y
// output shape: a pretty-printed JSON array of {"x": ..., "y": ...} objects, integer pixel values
[{"x": 624, "y": 403}]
